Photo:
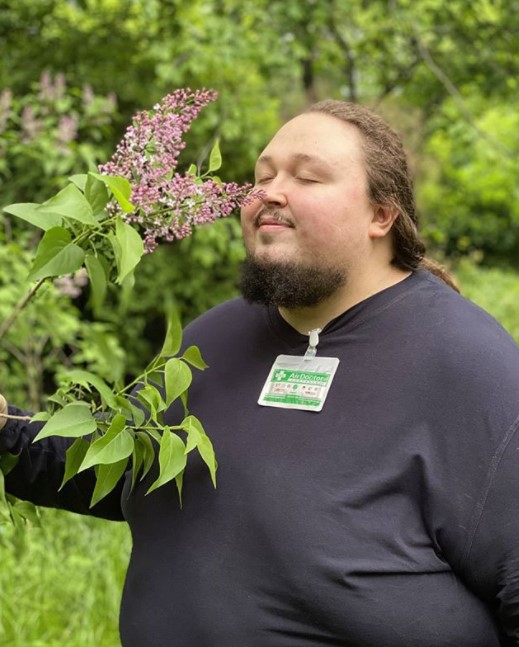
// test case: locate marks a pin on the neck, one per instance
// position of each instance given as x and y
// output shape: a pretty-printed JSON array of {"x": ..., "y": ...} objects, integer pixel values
[{"x": 353, "y": 292}]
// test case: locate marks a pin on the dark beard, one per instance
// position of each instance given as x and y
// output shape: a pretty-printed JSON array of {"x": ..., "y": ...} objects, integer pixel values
[{"x": 288, "y": 285}]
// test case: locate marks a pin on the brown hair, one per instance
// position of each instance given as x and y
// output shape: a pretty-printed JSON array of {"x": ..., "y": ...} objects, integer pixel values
[{"x": 389, "y": 182}]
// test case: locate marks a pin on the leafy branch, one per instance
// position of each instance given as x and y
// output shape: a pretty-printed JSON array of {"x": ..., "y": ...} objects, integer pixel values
[{"x": 104, "y": 223}]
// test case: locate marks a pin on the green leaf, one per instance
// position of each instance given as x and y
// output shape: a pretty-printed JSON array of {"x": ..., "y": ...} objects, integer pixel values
[
  {"x": 7, "y": 462},
  {"x": 206, "y": 451},
  {"x": 193, "y": 356},
  {"x": 199, "y": 439},
  {"x": 98, "y": 282},
  {"x": 149, "y": 451},
  {"x": 96, "y": 193},
  {"x": 156, "y": 378},
  {"x": 120, "y": 188},
  {"x": 79, "y": 180},
  {"x": 129, "y": 248},
  {"x": 173, "y": 339},
  {"x": 56, "y": 255},
  {"x": 16, "y": 518},
  {"x": 192, "y": 170},
  {"x": 154, "y": 433},
  {"x": 113, "y": 446},
  {"x": 179, "y": 481},
  {"x": 86, "y": 379},
  {"x": 2, "y": 489},
  {"x": 178, "y": 377},
  {"x": 137, "y": 461},
  {"x": 42, "y": 416},
  {"x": 130, "y": 410},
  {"x": 73, "y": 421},
  {"x": 107, "y": 478},
  {"x": 137, "y": 415},
  {"x": 72, "y": 204},
  {"x": 126, "y": 294},
  {"x": 73, "y": 458},
  {"x": 215, "y": 158},
  {"x": 30, "y": 212},
  {"x": 28, "y": 511},
  {"x": 151, "y": 397},
  {"x": 172, "y": 459}
]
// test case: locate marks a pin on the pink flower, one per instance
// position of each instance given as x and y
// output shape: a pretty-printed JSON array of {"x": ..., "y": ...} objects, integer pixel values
[{"x": 169, "y": 204}]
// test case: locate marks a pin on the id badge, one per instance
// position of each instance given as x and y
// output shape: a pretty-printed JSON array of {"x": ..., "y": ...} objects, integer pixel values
[{"x": 296, "y": 382}]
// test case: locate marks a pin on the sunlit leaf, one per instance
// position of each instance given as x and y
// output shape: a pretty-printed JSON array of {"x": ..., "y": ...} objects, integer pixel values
[
  {"x": 178, "y": 377},
  {"x": 96, "y": 193},
  {"x": 120, "y": 188},
  {"x": 149, "y": 451},
  {"x": 98, "y": 282},
  {"x": 72, "y": 204},
  {"x": 172, "y": 459},
  {"x": 151, "y": 397},
  {"x": 73, "y": 421},
  {"x": 173, "y": 338},
  {"x": 215, "y": 158},
  {"x": 73, "y": 458},
  {"x": 56, "y": 255},
  {"x": 193, "y": 356},
  {"x": 107, "y": 478},
  {"x": 28, "y": 511},
  {"x": 113, "y": 446},
  {"x": 86, "y": 378},
  {"x": 196, "y": 437},
  {"x": 30, "y": 212},
  {"x": 129, "y": 249},
  {"x": 79, "y": 180}
]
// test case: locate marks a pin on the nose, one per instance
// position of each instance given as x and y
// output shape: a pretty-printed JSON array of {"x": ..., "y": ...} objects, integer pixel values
[{"x": 274, "y": 196}]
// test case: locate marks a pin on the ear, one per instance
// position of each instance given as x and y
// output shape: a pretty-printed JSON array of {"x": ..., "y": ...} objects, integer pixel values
[{"x": 384, "y": 216}]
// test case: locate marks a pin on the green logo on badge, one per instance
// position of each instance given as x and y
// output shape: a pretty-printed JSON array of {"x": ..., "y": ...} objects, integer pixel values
[{"x": 301, "y": 377}]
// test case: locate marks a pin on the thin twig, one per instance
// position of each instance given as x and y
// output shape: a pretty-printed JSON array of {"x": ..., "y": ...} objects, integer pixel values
[
  {"x": 7, "y": 415},
  {"x": 19, "y": 307},
  {"x": 445, "y": 80}
]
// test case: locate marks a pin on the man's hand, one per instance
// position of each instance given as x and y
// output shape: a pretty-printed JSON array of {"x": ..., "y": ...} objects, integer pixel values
[{"x": 3, "y": 409}]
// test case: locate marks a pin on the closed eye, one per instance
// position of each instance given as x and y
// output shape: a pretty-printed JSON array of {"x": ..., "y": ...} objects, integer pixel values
[
  {"x": 263, "y": 180},
  {"x": 308, "y": 180}
]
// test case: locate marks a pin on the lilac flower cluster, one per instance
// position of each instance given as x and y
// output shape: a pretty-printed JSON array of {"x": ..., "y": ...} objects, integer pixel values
[
  {"x": 71, "y": 285},
  {"x": 167, "y": 203}
]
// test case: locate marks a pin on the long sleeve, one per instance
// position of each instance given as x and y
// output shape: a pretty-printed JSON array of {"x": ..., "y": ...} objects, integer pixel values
[
  {"x": 39, "y": 472},
  {"x": 492, "y": 556}
]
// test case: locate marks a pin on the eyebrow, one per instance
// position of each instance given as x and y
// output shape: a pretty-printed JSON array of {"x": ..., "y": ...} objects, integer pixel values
[{"x": 298, "y": 157}]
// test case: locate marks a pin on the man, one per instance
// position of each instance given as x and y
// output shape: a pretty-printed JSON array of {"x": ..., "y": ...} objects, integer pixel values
[{"x": 368, "y": 485}]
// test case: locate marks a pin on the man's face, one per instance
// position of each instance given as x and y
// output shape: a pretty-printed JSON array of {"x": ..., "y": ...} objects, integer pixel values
[{"x": 315, "y": 211}]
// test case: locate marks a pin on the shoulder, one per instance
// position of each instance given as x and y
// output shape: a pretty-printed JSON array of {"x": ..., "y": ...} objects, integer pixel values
[
  {"x": 227, "y": 324},
  {"x": 445, "y": 318},
  {"x": 463, "y": 350}
]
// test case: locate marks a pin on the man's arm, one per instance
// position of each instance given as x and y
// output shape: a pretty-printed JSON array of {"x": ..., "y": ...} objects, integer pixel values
[
  {"x": 492, "y": 554},
  {"x": 39, "y": 471}
]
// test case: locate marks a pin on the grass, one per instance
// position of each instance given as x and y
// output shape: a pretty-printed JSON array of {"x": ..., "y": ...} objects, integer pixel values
[
  {"x": 64, "y": 586},
  {"x": 494, "y": 289}
]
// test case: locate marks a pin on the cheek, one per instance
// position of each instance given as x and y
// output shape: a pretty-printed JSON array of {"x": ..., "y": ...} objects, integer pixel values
[{"x": 247, "y": 215}]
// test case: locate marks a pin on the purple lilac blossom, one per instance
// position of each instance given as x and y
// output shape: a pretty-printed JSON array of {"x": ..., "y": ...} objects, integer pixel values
[
  {"x": 169, "y": 204},
  {"x": 70, "y": 285}
]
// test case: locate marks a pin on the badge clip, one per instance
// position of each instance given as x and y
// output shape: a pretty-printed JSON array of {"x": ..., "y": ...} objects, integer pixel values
[{"x": 311, "y": 351}]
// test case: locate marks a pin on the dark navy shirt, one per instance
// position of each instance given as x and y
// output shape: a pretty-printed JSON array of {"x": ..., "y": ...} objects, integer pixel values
[{"x": 389, "y": 519}]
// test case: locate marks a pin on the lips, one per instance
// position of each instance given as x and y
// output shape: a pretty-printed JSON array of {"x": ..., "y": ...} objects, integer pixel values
[{"x": 272, "y": 220}]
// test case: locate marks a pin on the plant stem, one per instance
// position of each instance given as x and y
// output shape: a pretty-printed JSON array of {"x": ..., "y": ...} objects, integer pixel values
[
  {"x": 19, "y": 307},
  {"x": 10, "y": 417}
]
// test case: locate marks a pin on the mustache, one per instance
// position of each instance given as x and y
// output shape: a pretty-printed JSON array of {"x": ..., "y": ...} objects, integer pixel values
[{"x": 272, "y": 214}]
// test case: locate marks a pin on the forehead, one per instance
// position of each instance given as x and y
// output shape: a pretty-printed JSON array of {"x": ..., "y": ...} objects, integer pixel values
[{"x": 316, "y": 135}]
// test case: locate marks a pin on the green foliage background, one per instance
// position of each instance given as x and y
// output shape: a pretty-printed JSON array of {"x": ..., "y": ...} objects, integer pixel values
[{"x": 72, "y": 74}]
